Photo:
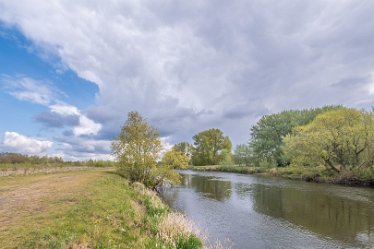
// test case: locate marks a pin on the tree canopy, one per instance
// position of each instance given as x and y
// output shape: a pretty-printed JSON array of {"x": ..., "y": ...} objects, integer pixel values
[
  {"x": 175, "y": 159},
  {"x": 341, "y": 140},
  {"x": 185, "y": 148},
  {"x": 208, "y": 147},
  {"x": 243, "y": 154},
  {"x": 137, "y": 149},
  {"x": 268, "y": 132}
]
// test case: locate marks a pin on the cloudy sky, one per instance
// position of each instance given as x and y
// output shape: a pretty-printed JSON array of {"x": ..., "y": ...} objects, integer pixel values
[{"x": 70, "y": 71}]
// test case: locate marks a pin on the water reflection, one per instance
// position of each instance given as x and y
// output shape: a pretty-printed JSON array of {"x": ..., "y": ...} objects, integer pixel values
[
  {"x": 211, "y": 187},
  {"x": 317, "y": 210},
  {"x": 273, "y": 213}
]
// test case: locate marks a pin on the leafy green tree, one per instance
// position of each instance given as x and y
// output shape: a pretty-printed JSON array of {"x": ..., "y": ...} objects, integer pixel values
[
  {"x": 226, "y": 158},
  {"x": 208, "y": 146},
  {"x": 175, "y": 159},
  {"x": 137, "y": 149},
  {"x": 342, "y": 140},
  {"x": 267, "y": 134},
  {"x": 185, "y": 148},
  {"x": 243, "y": 154}
]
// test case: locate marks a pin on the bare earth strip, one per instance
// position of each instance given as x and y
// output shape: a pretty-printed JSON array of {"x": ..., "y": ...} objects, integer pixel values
[{"x": 25, "y": 196}]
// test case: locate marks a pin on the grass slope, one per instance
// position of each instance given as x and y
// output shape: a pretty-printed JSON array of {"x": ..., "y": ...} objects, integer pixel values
[{"x": 85, "y": 209}]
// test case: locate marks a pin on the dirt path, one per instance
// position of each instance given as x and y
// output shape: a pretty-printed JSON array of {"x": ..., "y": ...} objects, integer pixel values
[{"x": 24, "y": 196}]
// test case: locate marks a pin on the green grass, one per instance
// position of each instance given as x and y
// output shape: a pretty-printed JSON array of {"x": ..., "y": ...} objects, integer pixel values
[{"x": 104, "y": 211}]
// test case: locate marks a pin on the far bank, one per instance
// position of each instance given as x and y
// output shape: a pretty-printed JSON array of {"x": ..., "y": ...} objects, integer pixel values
[{"x": 317, "y": 174}]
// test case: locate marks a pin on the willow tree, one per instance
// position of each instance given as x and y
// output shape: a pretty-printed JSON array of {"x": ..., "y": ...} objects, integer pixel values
[
  {"x": 341, "y": 140},
  {"x": 137, "y": 150},
  {"x": 175, "y": 159}
]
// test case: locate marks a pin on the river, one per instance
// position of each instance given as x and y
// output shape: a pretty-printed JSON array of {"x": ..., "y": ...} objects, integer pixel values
[{"x": 258, "y": 212}]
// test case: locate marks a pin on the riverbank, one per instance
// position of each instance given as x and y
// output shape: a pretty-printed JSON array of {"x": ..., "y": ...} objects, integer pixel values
[
  {"x": 87, "y": 209},
  {"x": 318, "y": 174}
]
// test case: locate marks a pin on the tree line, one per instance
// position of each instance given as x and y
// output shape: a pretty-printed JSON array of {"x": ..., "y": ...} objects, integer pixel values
[
  {"x": 337, "y": 138},
  {"x": 17, "y": 158},
  {"x": 11, "y": 158},
  {"x": 138, "y": 150}
]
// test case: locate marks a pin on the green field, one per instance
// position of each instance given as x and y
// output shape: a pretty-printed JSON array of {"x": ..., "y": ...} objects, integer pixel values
[{"x": 95, "y": 208}]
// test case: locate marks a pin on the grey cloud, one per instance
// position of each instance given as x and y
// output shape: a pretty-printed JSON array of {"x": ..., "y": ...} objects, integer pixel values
[
  {"x": 55, "y": 120},
  {"x": 70, "y": 145},
  {"x": 192, "y": 65},
  {"x": 352, "y": 82}
]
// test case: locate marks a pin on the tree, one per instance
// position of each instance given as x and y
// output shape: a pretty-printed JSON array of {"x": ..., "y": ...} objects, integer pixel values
[
  {"x": 243, "y": 154},
  {"x": 226, "y": 158},
  {"x": 137, "y": 149},
  {"x": 208, "y": 146},
  {"x": 341, "y": 140},
  {"x": 175, "y": 159},
  {"x": 185, "y": 148},
  {"x": 267, "y": 135}
]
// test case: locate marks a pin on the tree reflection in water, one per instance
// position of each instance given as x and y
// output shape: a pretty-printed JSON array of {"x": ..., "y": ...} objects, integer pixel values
[
  {"x": 211, "y": 187},
  {"x": 318, "y": 210}
]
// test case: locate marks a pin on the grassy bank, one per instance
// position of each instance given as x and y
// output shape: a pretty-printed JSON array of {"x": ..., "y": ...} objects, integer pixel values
[
  {"x": 87, "y": 209},
  {"x": 316, "y": 174}
]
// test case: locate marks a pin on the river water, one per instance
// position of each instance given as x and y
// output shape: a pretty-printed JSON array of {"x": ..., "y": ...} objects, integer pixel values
[{"x": 258, "y": 212}]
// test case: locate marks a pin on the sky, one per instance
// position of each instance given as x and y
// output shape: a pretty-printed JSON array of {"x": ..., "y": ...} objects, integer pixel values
[{"x": 70, "y": 71}]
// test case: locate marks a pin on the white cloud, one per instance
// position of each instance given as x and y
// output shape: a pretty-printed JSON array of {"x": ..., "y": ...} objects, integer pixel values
[
  {"x": 14, "y": 141},
  {"x": 166, "y": 145},
  {"x": 27, "y": 89},
  {"x": 78, "y": 148},
  {"x": 39, "y": 92},
  {"x": 64, "y": 110},
  {"x": 82, "y": 156},
  {"x": 86, "y": 126},
  {"x": 96, "y": 145}
]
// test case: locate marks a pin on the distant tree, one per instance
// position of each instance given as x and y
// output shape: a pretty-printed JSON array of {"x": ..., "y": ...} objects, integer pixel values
[
  {"x": 243, "y": 154},
  {"x": 137, "y": 149},
  {"x": 208, "y": 146},
  {"x": 226, "y": 158},
  {"x": 185, "y": 148},
  {"x": 341, "y": 140},
  {"x": 175, "y": 159},
  {"x": 267, "y": 134},
  {"x": 16, "y": 158}
]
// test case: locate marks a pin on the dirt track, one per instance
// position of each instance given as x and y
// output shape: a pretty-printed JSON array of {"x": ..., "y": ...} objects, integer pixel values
[{"x": 23, "y": 196}]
